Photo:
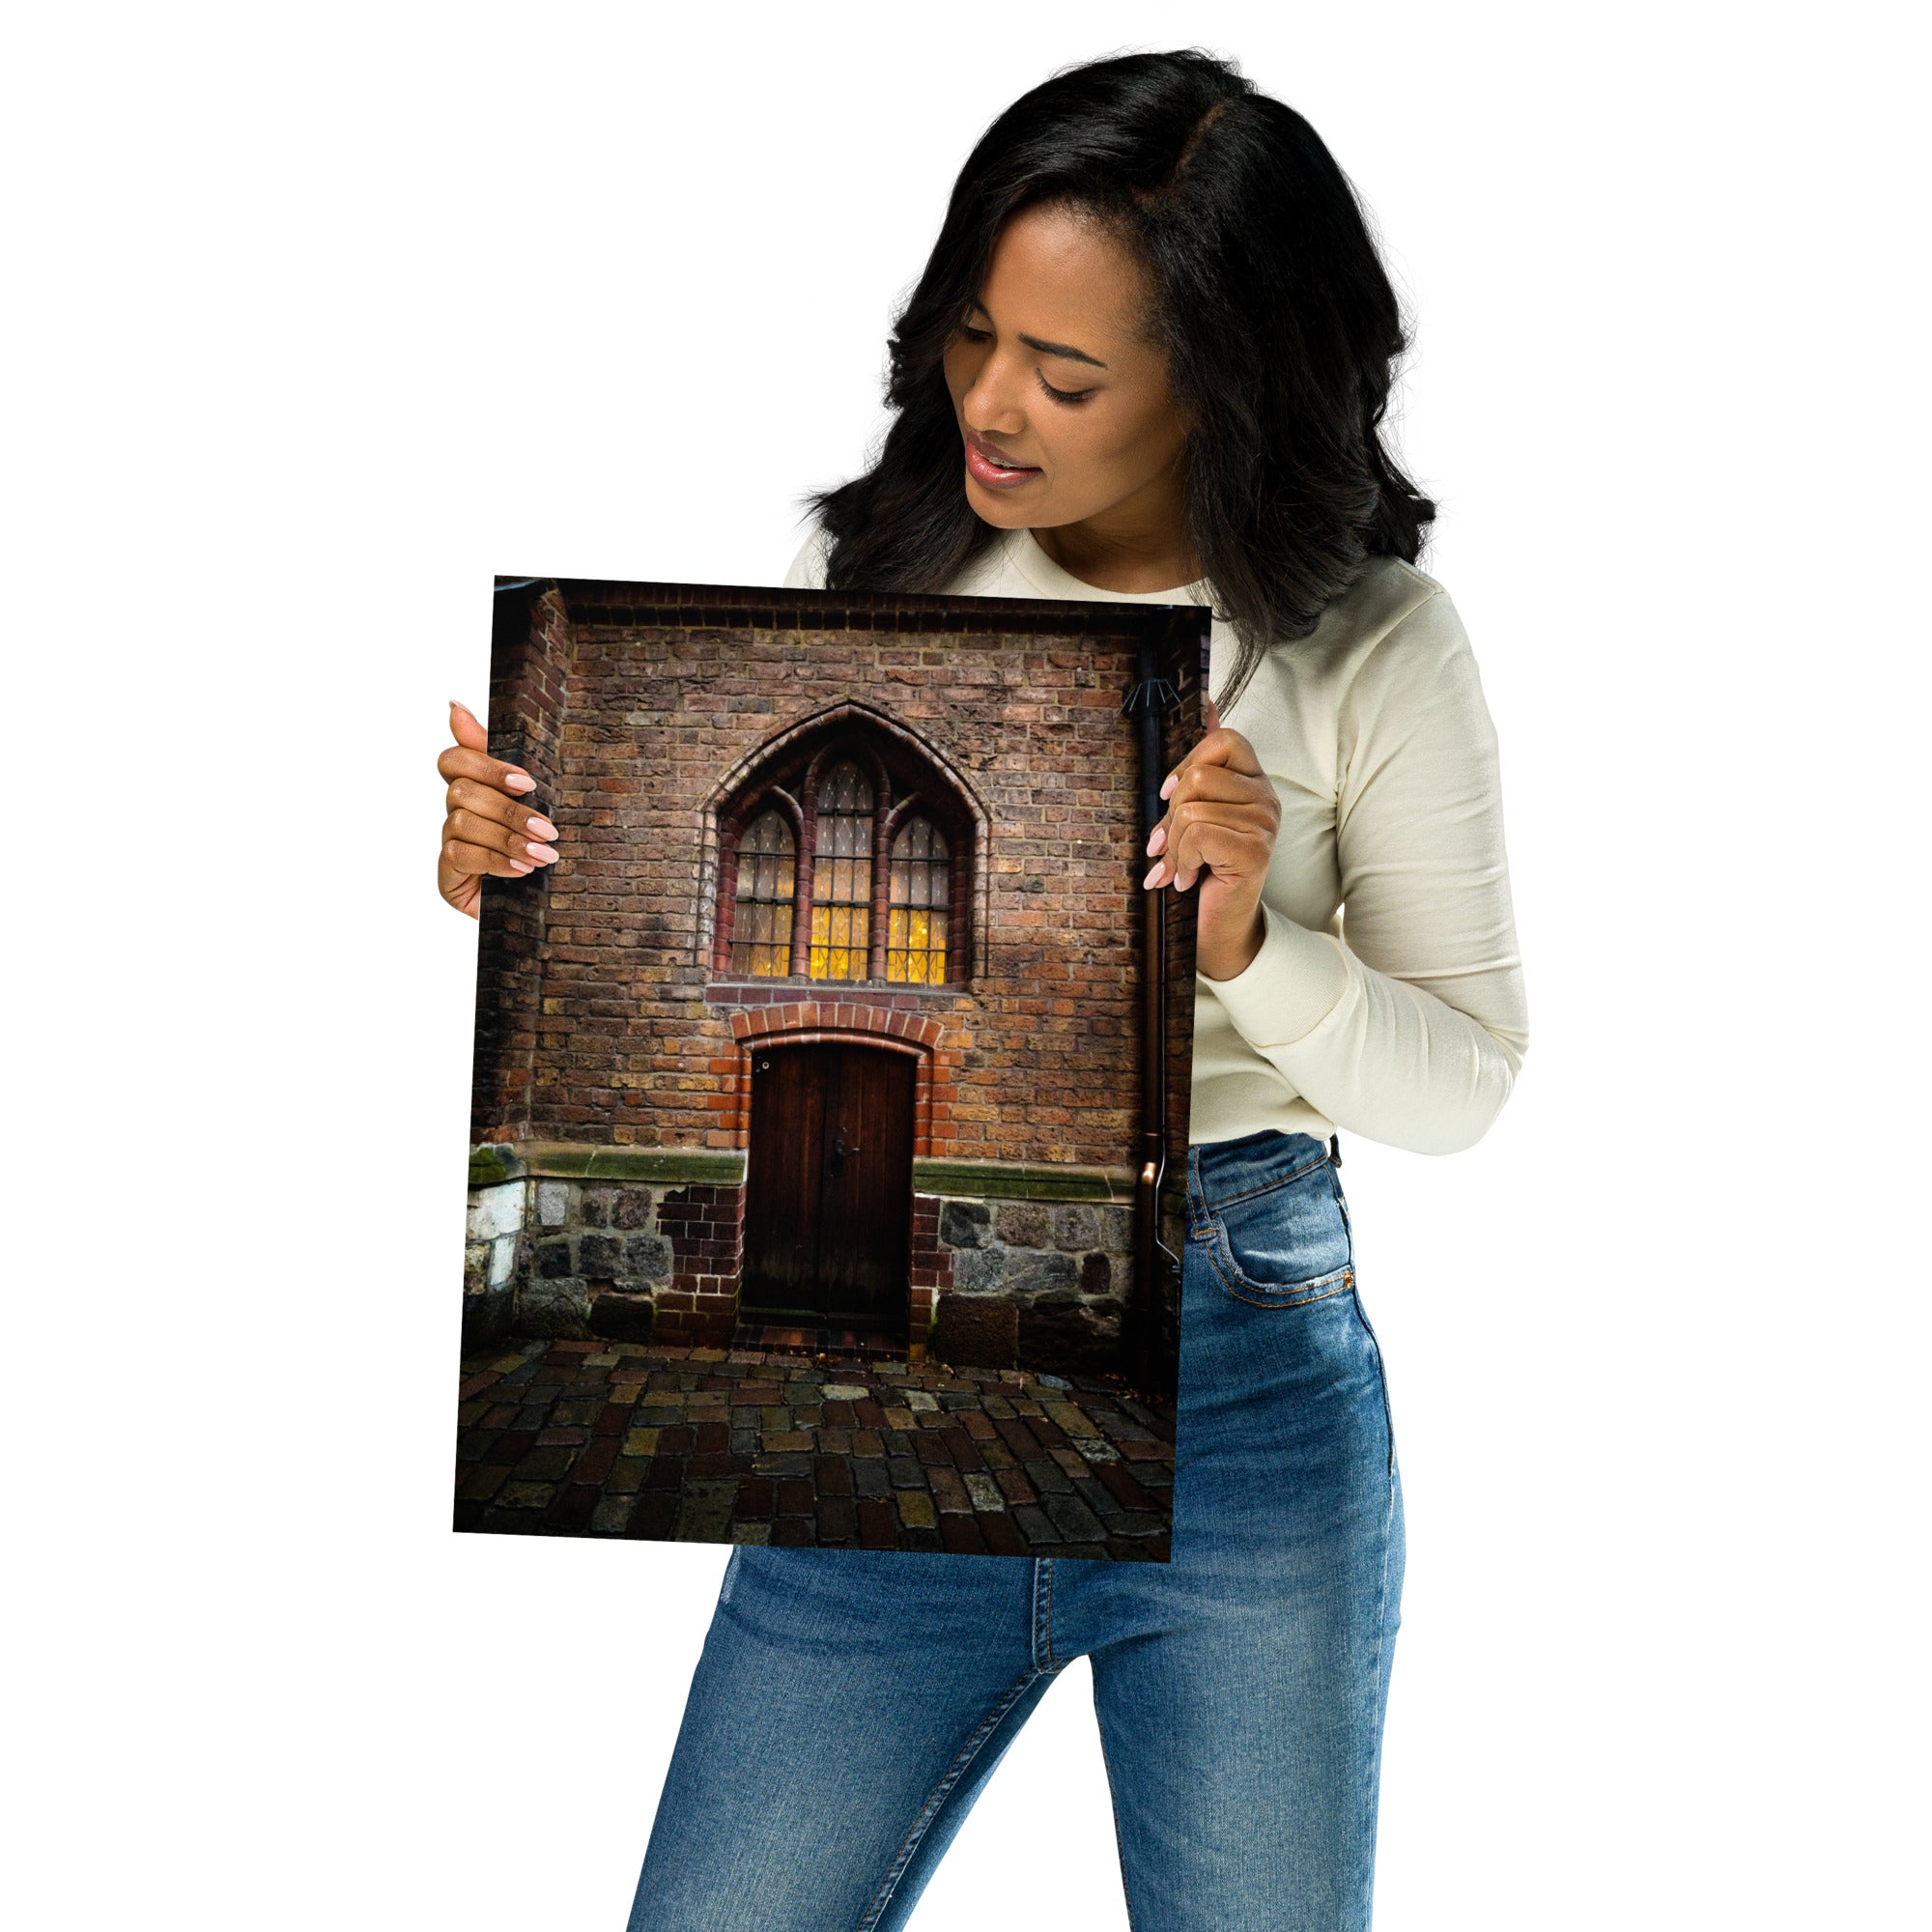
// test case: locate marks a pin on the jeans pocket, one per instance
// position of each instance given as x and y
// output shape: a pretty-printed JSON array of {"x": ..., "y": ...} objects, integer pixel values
[{"x": 1284, "y": 1244}]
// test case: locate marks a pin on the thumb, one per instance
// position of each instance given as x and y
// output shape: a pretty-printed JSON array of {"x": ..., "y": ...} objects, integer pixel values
[
  {"x": 467, "y": 729},
  {"x": 1212, "y": 712}
]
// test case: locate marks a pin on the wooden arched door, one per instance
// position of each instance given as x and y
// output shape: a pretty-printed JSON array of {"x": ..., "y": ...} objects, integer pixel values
[{"x": 828, "y": 1187}]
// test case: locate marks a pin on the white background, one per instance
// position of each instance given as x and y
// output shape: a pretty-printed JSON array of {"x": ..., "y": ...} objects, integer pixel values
[{"x": 320, "y": 316}]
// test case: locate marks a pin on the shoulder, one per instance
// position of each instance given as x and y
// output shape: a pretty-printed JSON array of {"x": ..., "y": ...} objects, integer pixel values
[
  {"x": 1394, "y": 621},
  {"x": 808, "y": 567},
  {"x": 1394, "y": 646},
  {"x": 1394, "y": 625}
]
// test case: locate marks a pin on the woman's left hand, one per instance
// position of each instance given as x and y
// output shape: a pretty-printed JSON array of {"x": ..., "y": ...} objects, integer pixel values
[{"x": 1222, "y": 816}]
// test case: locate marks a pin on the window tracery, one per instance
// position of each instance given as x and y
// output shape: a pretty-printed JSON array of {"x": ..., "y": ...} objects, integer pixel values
[{"x": 844, "y": 858}]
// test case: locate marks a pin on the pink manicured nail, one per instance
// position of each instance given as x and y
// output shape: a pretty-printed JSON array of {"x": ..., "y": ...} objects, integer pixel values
[
  {"x": 518, "y": 865},
  {"x": 520, "y": 781},
  {"x": 1173, "y": 780},
  {"x": 1153, "y": 876},
  {"x": 547, "y": 853},
  {"x": 542, "y": 827},
  {"x": 1158, "y": 840}
]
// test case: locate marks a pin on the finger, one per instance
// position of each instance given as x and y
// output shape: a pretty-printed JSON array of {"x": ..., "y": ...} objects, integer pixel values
[
  {"x": 469, "y": 795},
  {"x": 467, "y": 729},
  {"x": 1213, "y": 712},
  {"x": 472, "y": 827},
  {"x": 460, "y": 761},
  {"x": 1235, "y": 847},
  {"x": 1217, "y": 747},
  {"x": 1217, "y": 786},
  {"x": 1221, "y": 781},
  {"x": 459, "y": 856}
]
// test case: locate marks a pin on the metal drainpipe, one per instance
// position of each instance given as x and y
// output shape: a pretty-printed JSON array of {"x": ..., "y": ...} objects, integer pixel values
[{"x": 1144, "y": 704}]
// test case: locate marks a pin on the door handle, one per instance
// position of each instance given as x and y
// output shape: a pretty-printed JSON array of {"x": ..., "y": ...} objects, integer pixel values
[{"x": 840, "y": 1152}]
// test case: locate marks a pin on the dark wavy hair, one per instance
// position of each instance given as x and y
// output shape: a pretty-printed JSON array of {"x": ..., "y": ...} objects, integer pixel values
[{"x": 1279, "y": 325}]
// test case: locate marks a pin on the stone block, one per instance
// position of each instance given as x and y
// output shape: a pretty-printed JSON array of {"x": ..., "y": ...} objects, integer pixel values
[
  {"x": 1032, "y": 1274},
  {"x": 633, "y": 1208},
  {"x": 1084, "y": 1340},
  {"x": 601, "y": 1257},
  {"x": 963, "y": 1224},
  {"x": 1024, "y": 1224},
  {"x": 496, "y": 1211},
  {"x": 647, "y": 1258},
  {"x": 978, "y": 1271},
  {"x": 976, "y": 1333},
  {"x": 595, "y": 1207},
  {"x": 623, "y": 1318},
  {"x": 553, "y": 1203},
  {"x": 555, "y": 1308},
  {"x": 554, "y": 1260},
  {"x": 486, "y": 1318},
  {"x": 475, "y": 1268},
  {"x": 1117, "y": 1230},
  {"x": 1021, "y": 1273},
  {"x": 502, "y": 1259},
  {"x": 1096, "y": 1277},
  {"x": 1077, "y": 1228}
]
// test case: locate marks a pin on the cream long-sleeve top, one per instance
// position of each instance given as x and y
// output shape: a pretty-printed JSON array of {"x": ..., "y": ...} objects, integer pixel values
[{"x": 1387, "y": 996}]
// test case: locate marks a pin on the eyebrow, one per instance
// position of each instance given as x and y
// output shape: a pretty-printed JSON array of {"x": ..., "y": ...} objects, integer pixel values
[{"x": 1065, "y": 349}]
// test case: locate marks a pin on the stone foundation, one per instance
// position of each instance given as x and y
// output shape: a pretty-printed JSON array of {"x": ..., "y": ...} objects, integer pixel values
[{"x": 621, "y": 1244}]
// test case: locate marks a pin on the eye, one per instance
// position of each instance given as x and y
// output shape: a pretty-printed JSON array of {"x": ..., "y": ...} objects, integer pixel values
[
  {"x": 972, "y": 334},
  {"x": 1062, "y": 395}
]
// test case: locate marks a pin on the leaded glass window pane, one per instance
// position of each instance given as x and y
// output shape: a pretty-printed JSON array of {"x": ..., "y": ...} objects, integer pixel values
[
  {"x": 841, "y": 875},
  {"x": 921, "y": 899},
  {"x": 767, "y": 877}
]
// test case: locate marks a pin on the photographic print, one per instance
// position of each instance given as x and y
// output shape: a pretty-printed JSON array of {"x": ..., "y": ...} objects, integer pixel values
[{"x": 829, "y": 1105}]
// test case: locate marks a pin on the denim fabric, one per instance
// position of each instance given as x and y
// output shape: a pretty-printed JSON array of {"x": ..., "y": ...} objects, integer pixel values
[{"x": 850, "y": 1705}]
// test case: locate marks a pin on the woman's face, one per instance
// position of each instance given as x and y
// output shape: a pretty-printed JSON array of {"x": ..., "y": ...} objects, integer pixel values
[{"x": 1065, "y": 408}]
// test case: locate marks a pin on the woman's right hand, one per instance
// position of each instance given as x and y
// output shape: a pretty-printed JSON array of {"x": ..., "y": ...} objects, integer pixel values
[{"x": 489, "y": 829}]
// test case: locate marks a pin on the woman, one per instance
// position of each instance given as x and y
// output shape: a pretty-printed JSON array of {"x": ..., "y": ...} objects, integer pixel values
[{"x": 1148, "y": 359}]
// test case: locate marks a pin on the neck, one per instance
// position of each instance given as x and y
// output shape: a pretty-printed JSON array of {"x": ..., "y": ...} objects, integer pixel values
[
  {"x": 1109, "y": 565},
  {"x": 1137, "y": 545}
]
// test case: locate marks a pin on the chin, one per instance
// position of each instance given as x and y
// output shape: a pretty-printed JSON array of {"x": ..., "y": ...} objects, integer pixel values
[{"x": 998, "y": 508}]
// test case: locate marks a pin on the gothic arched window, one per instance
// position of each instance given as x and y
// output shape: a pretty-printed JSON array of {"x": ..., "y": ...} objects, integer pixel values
[
  {"x": 921, "y": 905},
  {"x": 847, "y": 854},
  {"x": 842, "y": 876},
  {"x": 767, "y": 879}
]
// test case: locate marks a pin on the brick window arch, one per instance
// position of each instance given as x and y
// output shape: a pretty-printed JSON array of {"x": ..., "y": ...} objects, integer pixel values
[{"x": 845, "y": 857}]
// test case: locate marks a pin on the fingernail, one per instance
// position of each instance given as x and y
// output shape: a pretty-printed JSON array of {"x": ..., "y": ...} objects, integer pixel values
[
  {"x": 1156, "y": 873},
  {"x": 1173, "y": 778},
  {"x": 520, "y": 781},
  {"x": 543, "y": 828},
  {"x": 518, "y": 865},
  {"x": 1158, "y": 840},
  {"x": 546, "y": 853}
]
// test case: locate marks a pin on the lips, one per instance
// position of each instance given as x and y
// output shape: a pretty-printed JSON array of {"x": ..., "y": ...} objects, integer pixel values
[{"x": 996, "y": 470}]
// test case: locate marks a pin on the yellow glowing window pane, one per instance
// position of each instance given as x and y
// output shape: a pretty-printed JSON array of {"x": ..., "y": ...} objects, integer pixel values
[
  {"x": 841, "y": 875},
  {"x": 922, "y": 885}
]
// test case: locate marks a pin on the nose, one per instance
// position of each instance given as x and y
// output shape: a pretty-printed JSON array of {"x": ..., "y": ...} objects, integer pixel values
[{"x": 990, "y": 406}]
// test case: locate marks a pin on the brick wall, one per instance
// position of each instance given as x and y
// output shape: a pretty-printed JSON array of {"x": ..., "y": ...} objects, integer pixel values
[
  {"x": 605, "y": 1019},
  {"x": 528, "y": 692}
]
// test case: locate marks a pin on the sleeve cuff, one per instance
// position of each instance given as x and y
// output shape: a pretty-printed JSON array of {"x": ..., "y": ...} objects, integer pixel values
[{"x": 1288, "y": 989}]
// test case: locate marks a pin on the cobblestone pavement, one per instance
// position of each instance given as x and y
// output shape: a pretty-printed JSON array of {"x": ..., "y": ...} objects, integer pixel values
[{"x": 765, "y": 1445}]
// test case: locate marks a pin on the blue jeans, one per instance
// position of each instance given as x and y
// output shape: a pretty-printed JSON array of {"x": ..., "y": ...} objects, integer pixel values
[{"x": 850, "y": 1704}]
